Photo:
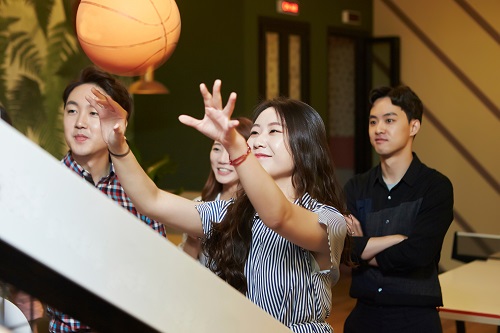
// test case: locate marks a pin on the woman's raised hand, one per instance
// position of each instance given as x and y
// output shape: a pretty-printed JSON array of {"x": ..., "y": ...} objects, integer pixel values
[
  {"x": 217, "y": 123},
  {"x": 213, "y": 100},
  {"x": 113, "y": 119}
]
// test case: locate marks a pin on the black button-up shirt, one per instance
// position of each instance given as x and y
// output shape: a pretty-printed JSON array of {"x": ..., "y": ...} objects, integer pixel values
[{"x": 420, "y": 206}]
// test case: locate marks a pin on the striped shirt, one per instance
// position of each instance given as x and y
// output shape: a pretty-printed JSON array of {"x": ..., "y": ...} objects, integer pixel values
[
  {"x": 109, "y": 185},
  {"x": 283, "y": 278}
]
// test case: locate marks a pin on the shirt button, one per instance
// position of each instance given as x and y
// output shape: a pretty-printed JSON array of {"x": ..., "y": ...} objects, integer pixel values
[
  {"x": 389, "y": 197},
  {"x": 379, "y": 290},
  {"x": 386, "y": 221}
]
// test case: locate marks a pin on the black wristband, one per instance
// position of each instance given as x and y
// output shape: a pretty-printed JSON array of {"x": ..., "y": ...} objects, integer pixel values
[{"x": 120, "y": 155}]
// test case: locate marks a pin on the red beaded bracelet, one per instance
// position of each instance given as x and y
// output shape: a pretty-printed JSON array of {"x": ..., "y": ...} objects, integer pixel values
[{"x": 241, "y": 159}]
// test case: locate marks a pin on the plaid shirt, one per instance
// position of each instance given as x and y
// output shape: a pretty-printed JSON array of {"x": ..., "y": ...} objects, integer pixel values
[{"x": 109, "y": 185}]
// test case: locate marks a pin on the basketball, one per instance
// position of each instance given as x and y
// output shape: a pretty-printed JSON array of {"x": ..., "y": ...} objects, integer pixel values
[{"x": 126, "y": 37}]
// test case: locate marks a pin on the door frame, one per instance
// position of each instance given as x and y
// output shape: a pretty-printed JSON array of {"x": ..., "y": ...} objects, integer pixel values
[
  {"x": 285, "y": 28},
  {"x": 364, "y": 61}
]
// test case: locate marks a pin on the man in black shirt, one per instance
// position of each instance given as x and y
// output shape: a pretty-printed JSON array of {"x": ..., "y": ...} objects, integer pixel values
[{"x": 401, "y": 210}]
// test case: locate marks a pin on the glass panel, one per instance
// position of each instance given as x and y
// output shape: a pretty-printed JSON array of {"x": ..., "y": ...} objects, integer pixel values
[
  {"x": 294, "y": 66},
  {"x": 381, "y": 75},
  {"x": 272, "y": 65},
  {"x": 341, "y": 104},
  {"x": 381, "y": 57}
]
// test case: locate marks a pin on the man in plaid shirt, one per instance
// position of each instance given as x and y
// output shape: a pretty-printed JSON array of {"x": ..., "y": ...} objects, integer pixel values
[{"x": 88, "y": 156}]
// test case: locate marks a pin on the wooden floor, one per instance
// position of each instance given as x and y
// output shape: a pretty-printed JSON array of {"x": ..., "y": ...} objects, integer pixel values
[{"x": 342, "y": 305}]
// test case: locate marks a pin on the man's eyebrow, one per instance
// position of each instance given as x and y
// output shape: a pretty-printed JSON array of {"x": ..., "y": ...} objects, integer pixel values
[{"x": 388, "y": 114}]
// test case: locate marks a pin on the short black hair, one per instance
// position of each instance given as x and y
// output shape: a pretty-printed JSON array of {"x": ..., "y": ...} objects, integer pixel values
[
  {"x": 403, "y": 97},
  {"x": 111, "y": 85}
]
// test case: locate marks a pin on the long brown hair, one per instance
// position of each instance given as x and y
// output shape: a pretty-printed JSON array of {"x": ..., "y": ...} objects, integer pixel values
[
  {"x": 212, "y": 187},
  {"x": 228, "y": 244}
]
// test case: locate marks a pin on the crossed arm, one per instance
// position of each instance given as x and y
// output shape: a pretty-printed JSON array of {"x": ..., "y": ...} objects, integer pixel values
[{"x": 375, "y": 245}]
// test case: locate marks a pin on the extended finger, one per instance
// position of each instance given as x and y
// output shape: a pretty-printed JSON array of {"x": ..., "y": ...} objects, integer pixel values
[
  {"x": 118, "y": 130},
  {"x": 229, "y": 108},
  {"x": 216, "y": 96},
  {"x": 188, "y": 120},
  {"x": 233, "y": 123},
  {"x": 207, "y": 97},
  {"x": 99, "y": 96},
  {"x": 94, "y": 102}
]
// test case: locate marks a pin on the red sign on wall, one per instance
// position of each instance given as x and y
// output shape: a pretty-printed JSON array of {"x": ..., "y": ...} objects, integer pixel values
[{"x": 287, "y": 7}]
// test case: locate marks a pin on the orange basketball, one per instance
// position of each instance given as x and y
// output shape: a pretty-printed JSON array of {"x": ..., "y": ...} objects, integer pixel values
[{"x": 125, "y": 37}]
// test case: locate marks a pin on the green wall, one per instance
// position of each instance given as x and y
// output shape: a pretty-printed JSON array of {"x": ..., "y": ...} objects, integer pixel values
[
  {"x": 209, "y": 47},
  {"x": 219, "y": 39}
]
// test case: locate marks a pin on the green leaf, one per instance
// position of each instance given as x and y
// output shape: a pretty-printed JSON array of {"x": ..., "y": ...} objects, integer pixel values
[
  {"x": 31, "y": 62},
  {"x": 14, "y": 36},
  {"x": 26, "y": 52},
  {"x": 26, "y": 104},
  {"x": 5, "y": 22},
  {"x": 4, "y": 43},
  {"x": 3, "y": 87},
  {"x": 43, "y": 12},
  {"x": 51, "y": 135},
  {"x": 18, "y": 41},
  {"x": 73, "y": 65},
  {"x": 70, "y": 9},
  {"x": 60, "y": 47}
]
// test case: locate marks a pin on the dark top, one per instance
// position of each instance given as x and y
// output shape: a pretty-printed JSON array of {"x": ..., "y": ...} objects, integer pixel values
[{"x": 420, "y": 206}]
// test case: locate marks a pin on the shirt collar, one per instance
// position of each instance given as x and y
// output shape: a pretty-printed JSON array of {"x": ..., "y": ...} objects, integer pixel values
[
  {"x": 70, "y": 162},
  {"x": 410, "y": 177}
]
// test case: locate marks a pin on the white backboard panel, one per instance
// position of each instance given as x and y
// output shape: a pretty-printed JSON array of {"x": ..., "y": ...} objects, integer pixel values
[{"x": 67, "y": 243}]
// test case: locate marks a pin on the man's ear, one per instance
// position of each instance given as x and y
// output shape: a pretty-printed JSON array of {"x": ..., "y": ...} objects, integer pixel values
[{"x": 414, "y": 127}]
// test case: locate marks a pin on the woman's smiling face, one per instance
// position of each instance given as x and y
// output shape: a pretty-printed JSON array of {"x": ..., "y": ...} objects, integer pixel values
[{"x": 268, "y": 141}]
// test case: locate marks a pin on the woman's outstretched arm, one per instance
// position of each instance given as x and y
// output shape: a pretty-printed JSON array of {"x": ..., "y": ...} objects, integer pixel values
[
  {"x": 272, "y": 202},
  {"x": 170, "y": 209}
]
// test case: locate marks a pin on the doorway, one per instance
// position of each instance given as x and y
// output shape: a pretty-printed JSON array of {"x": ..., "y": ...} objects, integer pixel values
[
  {"x": 283, "y": 59},
  {"x": 356, "y": 64}
]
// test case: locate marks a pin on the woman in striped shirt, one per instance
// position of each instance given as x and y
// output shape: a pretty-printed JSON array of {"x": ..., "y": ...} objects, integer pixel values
[
  {"x": 221, "y": 184},
  {"x": 281, "y": 240}
]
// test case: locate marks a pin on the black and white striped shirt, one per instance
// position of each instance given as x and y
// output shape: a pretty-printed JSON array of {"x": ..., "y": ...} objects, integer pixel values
[{"x": 283, "y": 278}]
